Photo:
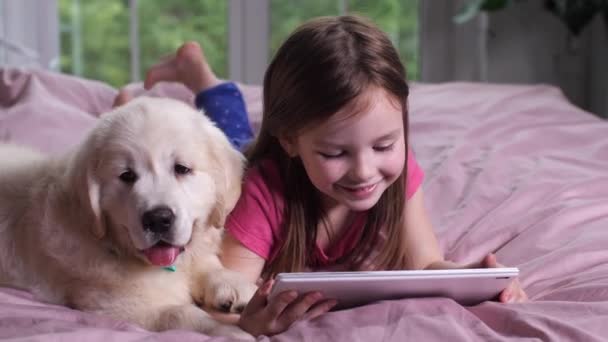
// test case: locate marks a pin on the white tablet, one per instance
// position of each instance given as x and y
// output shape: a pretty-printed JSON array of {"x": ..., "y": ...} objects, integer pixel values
[{"x": 466, "y": 286}]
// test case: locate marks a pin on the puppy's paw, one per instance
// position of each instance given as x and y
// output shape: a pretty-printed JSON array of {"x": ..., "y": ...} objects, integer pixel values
[
  {"x": 231, "y": 331},
  {"x": 228, "y": 291}
]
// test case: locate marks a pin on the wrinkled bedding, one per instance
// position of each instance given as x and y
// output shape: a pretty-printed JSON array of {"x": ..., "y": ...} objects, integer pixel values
[{"x": 511, "y": 169}]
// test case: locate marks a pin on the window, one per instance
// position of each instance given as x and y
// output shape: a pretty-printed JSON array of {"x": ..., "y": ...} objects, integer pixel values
[
  {"x": 398, "y": 18},
  {"x": 97, "y": 40},
  {"x": 116, "y": 41}
]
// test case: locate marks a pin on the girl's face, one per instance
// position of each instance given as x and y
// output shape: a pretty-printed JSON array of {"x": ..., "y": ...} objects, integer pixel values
[{"x": 353, "y": 159}]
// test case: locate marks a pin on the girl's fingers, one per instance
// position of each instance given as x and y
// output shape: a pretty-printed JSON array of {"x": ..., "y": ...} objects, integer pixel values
[
  {"x": 259, "y": 299},
  {"x": 260, "y": 282},
  {"x": 267, "y": 286},
  {"x": 277, "y": 304},
  {"x": 490, "y": 261},
  {"x": 298, "y": 308},
  {"x": 505, "y": 296},
  {"x": 513, "y": 293},
  {"x": 320, "y": 308}
]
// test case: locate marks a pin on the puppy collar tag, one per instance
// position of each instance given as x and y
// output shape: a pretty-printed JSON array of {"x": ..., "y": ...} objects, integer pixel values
[{"x": 170, "y": 268}]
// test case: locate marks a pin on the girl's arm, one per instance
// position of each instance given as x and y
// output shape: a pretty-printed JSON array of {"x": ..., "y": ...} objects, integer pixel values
[
  {"x": 261, "y": 316},
  {"x": 419, "y": 239},
  {"x": 237, "y": 257},
  {"x": 424, "y": 252}
]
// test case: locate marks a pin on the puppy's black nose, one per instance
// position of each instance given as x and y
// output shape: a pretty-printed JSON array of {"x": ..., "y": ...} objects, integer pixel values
[{"x": 158, "y": 220}]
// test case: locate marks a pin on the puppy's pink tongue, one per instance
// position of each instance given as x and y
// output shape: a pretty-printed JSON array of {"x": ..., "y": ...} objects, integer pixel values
[{"x": 162, "y": 255}]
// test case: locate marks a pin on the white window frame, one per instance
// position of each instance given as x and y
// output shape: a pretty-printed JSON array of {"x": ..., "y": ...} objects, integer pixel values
[
  {"x": 248, "y": 40},
  {"x": 134, "y": 41}
]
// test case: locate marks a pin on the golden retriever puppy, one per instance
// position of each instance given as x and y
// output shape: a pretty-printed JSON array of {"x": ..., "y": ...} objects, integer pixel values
[{"x": 129, "y": 223}]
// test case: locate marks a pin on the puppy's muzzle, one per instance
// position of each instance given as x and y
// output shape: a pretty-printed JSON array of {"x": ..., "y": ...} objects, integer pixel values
[{"x": 158, "y": 220}]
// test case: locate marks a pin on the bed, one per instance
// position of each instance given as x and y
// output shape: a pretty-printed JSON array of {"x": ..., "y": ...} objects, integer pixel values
[{"x": 511, "y": 169}]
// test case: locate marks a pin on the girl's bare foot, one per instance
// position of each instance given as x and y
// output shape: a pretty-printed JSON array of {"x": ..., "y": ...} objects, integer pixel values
[
  {"x": 187, "y": 66},
  {"x": 121, "y": 98}
]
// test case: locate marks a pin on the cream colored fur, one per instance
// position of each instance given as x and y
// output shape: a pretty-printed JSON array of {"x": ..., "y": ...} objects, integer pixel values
[{"x": 71, "y": 231}]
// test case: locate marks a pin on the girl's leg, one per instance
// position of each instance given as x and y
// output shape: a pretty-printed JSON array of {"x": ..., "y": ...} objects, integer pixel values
[{"x": 221, "y": 101}]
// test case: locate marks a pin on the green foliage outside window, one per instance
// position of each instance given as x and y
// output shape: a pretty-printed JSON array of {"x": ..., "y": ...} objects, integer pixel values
[
  {"x": 398, "y": 18},
  {"x": 95, "y": 33}
]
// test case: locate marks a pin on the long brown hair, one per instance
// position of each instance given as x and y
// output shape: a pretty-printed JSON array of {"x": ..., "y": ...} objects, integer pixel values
[{"x": 324, "y": 66}]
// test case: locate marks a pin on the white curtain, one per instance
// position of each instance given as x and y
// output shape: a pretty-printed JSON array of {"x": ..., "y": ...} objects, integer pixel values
[{"x": 29, "y": 33}]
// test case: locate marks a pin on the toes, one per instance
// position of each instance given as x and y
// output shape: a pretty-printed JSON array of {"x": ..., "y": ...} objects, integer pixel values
[{"x": 123, "y": 97}]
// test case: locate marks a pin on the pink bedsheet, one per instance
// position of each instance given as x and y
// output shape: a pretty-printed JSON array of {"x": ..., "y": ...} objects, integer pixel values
[{"x": 516, "y": 170}]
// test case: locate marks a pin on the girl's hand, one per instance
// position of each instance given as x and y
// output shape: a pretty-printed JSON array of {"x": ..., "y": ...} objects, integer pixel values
[
  {"x": 514, "y": 293},
  {"x": 263, "y": 317}
]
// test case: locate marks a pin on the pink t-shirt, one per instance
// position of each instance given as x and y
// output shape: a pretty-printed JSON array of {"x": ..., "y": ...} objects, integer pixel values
[{"x": 257, "y": 218}]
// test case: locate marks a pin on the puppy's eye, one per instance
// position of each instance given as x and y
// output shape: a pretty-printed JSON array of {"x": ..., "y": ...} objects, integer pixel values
[
  {"x": 128, "y": 177},
  {"x": 181, "y": 169}
]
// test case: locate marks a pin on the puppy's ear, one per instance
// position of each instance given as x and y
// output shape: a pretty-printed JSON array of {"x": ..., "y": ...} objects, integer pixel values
[
  {"x": 228, "y": 165},
  {"x": 94, "y": 205},
  {"x": 86, "y": 186}
]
